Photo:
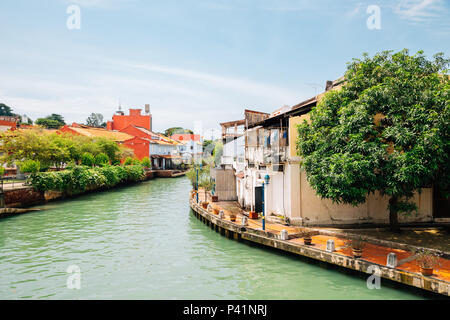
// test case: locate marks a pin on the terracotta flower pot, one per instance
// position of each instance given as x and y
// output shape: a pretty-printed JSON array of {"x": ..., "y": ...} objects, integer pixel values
[
  {"x": 426, "y": 271},
  {"x": 253, "y": 215},
  {"x": 205, "y": 205},
  {"x": 215, "y": 211},
  {"x": 307, "y": 241},
  {"x": 357, "y": 253},
  {"x": 215, "y": 198},
  {"x": 233, "y": 218}
]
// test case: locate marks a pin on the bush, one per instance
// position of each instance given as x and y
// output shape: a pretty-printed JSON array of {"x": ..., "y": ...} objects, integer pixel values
[
  {"x": 128, "y": 161},
  {"x": 83, "y": 178},
  {"x": 87, "y": 159},
  {"x": 101, "y": 159},
  {"x": 2, "y": 171},
  {"x": 30, "y": 166},
  {"x": 146, "y": 162}
]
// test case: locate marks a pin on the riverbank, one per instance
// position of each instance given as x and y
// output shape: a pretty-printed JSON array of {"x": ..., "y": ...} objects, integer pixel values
[
  {"x": 406, "y": 272},
  {"x": 27, "y": 196}
]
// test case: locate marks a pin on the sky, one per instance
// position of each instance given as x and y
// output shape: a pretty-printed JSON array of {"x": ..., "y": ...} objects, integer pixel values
[{"x": 198, "y": 61}]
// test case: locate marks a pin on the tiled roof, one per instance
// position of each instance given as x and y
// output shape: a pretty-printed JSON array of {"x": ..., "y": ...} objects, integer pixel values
[{"x": 103, "y": 133}]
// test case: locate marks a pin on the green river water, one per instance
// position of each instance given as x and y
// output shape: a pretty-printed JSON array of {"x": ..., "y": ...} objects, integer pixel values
[{"x": 142, "y": 242}]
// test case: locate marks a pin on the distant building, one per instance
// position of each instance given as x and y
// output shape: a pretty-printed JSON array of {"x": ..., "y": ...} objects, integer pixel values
[
  {"x": 162, "y": 151},
  {"x": 120, "y": 121},
  {"x": 191, "y": 145},
  {"x": 8, "y": 123}
]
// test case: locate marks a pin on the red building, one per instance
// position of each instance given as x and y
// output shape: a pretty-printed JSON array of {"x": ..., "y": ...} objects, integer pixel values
[
  {"x": 120, "y": 121},
  {"x": 8, "y": 123}
]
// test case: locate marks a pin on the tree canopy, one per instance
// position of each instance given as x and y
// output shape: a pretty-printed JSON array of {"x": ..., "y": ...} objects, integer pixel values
[
  {"x": 53, "y": 149},
  {"x": 6, "y": 110},
  {"x": 171, "y": 131},
  {"x": 387, "y": 130},
  {"x": 95, "y": 120},
  {"x": 53, "y": 121}
]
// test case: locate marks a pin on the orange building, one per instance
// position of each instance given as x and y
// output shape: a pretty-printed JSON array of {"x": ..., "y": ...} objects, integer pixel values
[
  {"x": 8, "y": 123},
  {"x": 78, "y": 129},
  {"x": 120, "y": 121}
]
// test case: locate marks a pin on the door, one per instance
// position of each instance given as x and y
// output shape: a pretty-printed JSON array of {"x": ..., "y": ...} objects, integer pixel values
[
  {"x": 441, "y": 205},
  {"x": 258, "y": 199}
]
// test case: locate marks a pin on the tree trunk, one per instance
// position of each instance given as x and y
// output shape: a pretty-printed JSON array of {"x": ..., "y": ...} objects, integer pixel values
[{"x": 393, "y": 214}]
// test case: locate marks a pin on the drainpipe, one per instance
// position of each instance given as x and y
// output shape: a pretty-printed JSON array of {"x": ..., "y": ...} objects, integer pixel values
[
  {"x": 2, "y": 198},
  {"x": 263, "y": 208},
  {"x": 197, "y": 184}
]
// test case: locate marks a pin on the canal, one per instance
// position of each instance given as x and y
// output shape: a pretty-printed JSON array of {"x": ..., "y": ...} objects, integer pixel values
[{"x": 141, "y": 242}]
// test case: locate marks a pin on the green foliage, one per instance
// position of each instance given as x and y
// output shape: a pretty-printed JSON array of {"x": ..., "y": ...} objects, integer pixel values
[
  {"x": 218, "y": 152},
  {"x": 386, "y": 130},
  {"x": 128, "y": 161},
  {"x": 82, "y": 178},
  {"x": 2, "y": 171},
  {"x": 146, "y": 162},
  {"x": 171, "y": 131},
  {"x": 54, "y": 149},
  {"x": 95, "y": 120},
  {"x": 87, "y": 159},
  {"x": 30, "y": 166},
  {"x": 101, "y": 159},
  {"x": 48, "y": 123},
  {"x": 204, "y": 179},
  {"x": 6, "y": 110}
]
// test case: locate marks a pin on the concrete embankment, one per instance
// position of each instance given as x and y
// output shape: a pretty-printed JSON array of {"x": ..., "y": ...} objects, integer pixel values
[
  {"x": 373, "y": 258},
  {"x": 27, "y": 196}
]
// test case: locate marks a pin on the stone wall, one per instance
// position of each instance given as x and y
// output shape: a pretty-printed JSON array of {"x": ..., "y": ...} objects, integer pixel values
[{"x": 23, "y": 197}]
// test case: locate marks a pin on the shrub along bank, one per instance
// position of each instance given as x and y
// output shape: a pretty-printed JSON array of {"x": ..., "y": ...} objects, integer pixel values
[{"x": 80, "y": 179}]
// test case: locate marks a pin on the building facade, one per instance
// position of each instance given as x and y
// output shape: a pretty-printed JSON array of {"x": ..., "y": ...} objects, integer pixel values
[{"x": 270, "y": 151}]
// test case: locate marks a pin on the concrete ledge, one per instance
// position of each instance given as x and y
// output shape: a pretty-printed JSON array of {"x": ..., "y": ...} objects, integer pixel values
[{"x": 237, "y": 232}]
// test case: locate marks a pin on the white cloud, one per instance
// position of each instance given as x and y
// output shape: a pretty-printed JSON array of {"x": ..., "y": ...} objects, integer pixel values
[
  {"x": 97, "y": 3},
  {"x": 177, "y": 96},
  {"x": 270, "y": 92},
  {"x": 420, "y": 10}
]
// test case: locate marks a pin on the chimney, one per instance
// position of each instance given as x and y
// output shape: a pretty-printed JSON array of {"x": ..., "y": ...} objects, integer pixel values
[
  {"x": 147, "y": 108},
  {"x": 329, "y": 85},
  {"x": 135, "y": 112}
]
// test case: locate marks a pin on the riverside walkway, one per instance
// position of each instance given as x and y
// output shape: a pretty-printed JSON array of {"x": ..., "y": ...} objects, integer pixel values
[{"x": 407, "y": 271}]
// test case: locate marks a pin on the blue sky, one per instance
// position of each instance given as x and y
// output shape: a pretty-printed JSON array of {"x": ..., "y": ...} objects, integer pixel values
[{"x": 195, "y": 60}]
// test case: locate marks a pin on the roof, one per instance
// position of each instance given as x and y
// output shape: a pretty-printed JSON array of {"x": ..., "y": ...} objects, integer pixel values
[
  {"x": 302, "y": 107},
  {"x": 185, "y": 137},
  {"x": 100, "y": 133}
]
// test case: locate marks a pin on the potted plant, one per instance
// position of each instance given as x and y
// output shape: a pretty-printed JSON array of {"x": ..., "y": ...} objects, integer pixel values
[
  {"x": 232, "y": 217},
  {"x": 307, "y": 240},
  {"x": 205, "y": 204},
  {"x": 357, "y": 246},
  {"x": 215, "y": 210},
  {"x": 214, "y": 198},
  {"x": 427, "y": 260}
]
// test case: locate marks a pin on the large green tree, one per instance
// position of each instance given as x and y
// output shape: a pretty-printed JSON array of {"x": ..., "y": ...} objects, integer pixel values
[
  {"x": 53, "y": 121},
  {"x": 387, "y": 130},
  {"x": 95, "y": 120},
  {"x": 5, "y": 110}
]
